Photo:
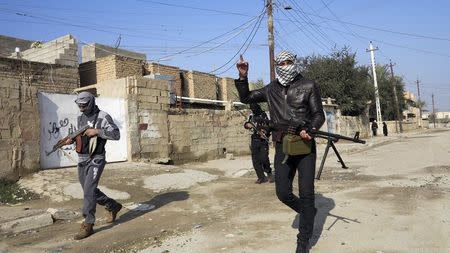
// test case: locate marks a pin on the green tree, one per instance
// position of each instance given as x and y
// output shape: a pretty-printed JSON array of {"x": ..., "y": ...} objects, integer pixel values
[
  {"x": 386, "y": 92},
  {"x": 258, "y": 85},
  {"x": 340, "y": 78}
]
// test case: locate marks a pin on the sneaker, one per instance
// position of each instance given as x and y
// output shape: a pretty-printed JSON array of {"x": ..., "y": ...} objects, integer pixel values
[{"x": 86, "y": 230}]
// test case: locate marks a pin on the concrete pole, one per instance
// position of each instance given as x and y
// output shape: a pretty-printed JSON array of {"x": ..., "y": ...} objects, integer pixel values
[
  {"x": 375, "y": 83},
  {"x": 271, "y": 40}
]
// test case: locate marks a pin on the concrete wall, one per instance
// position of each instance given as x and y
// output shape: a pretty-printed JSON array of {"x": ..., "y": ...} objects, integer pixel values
[
  {"x": 8, "y": 45},
  {"x": 19, "y": 125},
  {"x": 348, "y": 126},
  {"x": 62, "y": 51},
  {"x": 93, "y": 52},
  {"x": 201, "y": 134},
  {"x": 155, "y": 132}
]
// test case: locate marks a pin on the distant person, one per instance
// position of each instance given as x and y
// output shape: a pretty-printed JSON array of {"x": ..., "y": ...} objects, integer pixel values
[
  {"x": 260, "y": 144},
  {"x": 385, "y": 130},
  {"x": 374, "y": 128}
]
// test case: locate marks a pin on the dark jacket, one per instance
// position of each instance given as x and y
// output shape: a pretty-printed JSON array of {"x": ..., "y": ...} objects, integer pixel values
[
  {"x": 108, "y": 131},
  {"x": 300, "y": 101}
]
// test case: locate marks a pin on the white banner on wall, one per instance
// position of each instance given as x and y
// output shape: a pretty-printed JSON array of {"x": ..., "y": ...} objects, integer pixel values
[{"x": 58, "y": 118}]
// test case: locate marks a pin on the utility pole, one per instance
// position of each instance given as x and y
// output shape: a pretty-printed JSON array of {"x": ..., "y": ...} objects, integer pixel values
[
  {"x": 434, "y": 112},
  {"x": 375, "y": 83},
  {"x": 398, "y": 116},
  {"x": 419, "y": 102},
  {"x": 271, "y": 40}
]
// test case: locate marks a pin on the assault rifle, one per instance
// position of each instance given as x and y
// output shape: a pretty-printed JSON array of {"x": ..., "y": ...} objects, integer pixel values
[
  {"x": 330, "y": 137},
  {"x": 72, "y": 136},
  {"x": 258, "y": 131}
]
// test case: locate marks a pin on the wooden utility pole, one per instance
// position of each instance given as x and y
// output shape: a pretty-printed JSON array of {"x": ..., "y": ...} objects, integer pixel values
[
  {"x": 434, "y": 112},
  {"x": 398, "y": 116},
  {"x": 419, "y": 102},
  {"x": 271, "y": 40}
]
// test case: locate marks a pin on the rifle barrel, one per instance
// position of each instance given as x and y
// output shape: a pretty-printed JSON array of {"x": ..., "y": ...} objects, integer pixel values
[{"x": 326, "y": 135}]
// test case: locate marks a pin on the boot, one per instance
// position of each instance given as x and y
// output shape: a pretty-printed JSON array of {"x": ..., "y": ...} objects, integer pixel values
[
  {"x": 302, "y": 247},
  {"x": 113, "y": 213},
  {"x": 270, "y": 177},
  {"x": 261, "y": 180},
  {"x": 86, "y": 230}
]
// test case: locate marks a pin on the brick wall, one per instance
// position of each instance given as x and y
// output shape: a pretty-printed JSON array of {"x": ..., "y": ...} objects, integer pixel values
[
  {"x": 109, "y": 68},
  {"x": 205, "y": 85},
  {"x": 155, "y": 68},
  {"x": 88, "y": 73},
  {"x": 228, "y": 90},
  {"x": 201, "y": 134},
  {"x": 20, "y": 81}
]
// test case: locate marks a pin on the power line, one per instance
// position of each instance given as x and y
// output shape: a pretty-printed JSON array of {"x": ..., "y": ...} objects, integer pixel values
[
  {"x": 379, "y": 29},
  {"x": 316, "y": 41},
  {"x": 195, "y": 8},
  {"x": 217, "y": 37},
  {"x": 312, "y": 25},
  {"x": 249, "y": 39}
]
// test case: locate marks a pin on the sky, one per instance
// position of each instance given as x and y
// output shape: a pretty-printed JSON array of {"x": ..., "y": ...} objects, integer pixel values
[{"x": 209, "y": 35}]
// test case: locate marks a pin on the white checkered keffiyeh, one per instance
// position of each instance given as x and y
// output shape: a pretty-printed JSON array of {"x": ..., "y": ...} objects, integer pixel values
[{"x": 285, "y": 74}]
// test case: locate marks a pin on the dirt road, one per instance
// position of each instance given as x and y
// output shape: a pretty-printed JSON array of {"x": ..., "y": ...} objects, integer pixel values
[{"x": 394, "y": 198}]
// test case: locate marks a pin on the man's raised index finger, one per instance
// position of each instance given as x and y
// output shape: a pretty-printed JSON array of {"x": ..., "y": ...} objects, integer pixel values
[{"x": 241, "y": 58}]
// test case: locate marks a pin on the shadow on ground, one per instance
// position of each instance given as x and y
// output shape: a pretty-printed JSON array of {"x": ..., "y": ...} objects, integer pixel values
[{"x": 157, "y": 201}]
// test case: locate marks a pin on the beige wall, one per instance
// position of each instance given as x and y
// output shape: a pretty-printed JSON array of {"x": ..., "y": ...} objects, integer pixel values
[
  {"x": 201, "y": 134},
  {"x": 110, "y": 68},
  {"x": 20, "y": 81}
]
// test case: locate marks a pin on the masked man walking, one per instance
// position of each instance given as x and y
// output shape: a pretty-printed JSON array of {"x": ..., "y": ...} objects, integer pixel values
[
  {"x": 91, "y": 160},
  {"x": 291, "y": 98}
]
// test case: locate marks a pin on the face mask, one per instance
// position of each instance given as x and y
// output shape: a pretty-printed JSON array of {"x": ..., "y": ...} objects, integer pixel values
[{"x": 286, "y": 73}]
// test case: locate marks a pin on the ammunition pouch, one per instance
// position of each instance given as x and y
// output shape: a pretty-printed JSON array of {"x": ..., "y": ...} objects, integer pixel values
[{"x": 295, "y": 145}]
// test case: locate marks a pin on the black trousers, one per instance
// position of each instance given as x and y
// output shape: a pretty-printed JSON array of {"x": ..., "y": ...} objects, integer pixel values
[
  {"x": 260, "y": 157},
  {"x": 284, "y": 176}
]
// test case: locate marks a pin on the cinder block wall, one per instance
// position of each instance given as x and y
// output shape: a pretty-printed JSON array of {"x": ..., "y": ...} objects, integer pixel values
[
  {"x": 88, "y": 73},
  {"x": 20, "y": 81},
  {"x": 62, "y": 51},
  {"x": 155, "y": 68},
  {"x": 148, "y": 104},
  {"x": 228, "y": 90},
  {"x": 190, "y": 135},
  {"x": 201, "y": 134},
  {"x": 205, "y": 85},
  {"x": 347, "y": 125},
  {"x": 110, "y": 68}
]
